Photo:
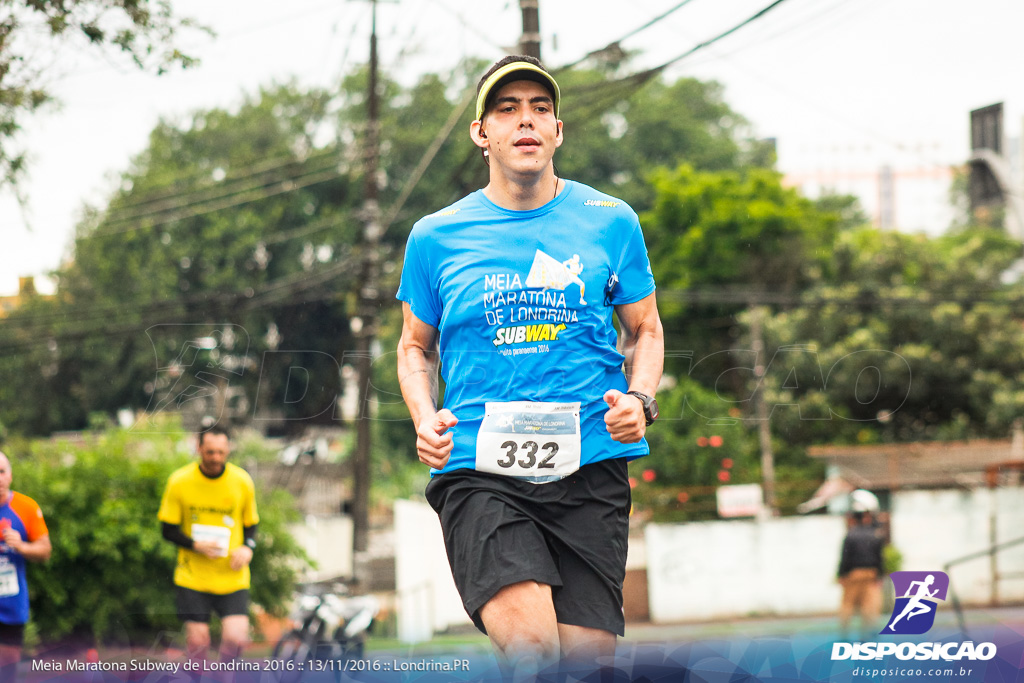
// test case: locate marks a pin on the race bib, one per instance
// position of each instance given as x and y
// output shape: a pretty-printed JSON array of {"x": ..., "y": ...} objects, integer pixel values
[
  {"x": 8, "y": 580},
  {"x": 209, "y": 532},
  {"x": 535, "y": 442}
]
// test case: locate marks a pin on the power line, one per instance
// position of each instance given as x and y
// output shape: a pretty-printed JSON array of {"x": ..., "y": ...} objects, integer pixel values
[
  {"x": 804, "y": 21},
  {"x": 813, "y": 103},
  {"x": 157, "y": 193},
  {"x": 472, "y": 29},
  {"x": 308, "y": 229},
  {"x": 746, "y": 296},
  {"x": 340, "y": 69},
  {"x": 427, "y": 158},
  {"x": 639, "y": 78},
  {"x": 615, "y": 43},
  {"x": 720, "y": 36},
  {"x": 292, "y": 289},
  {"x": 226, "y": 202},
  {"x": 210, "y": 194}
]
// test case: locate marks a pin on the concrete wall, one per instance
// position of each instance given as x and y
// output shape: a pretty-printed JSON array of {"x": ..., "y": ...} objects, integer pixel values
[
  {"x": 715, "y": 570},
  {"x": 712, "y": 570},
  {"x": 932, "y": 528},
  {"x": 328, "y": 542},
  {"x": 719, "y": 570},
  {"x": 427, "y": 600}
]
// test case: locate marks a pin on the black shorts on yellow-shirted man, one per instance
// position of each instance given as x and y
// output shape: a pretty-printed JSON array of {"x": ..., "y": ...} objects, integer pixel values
[{"x": 197, "y": 605}]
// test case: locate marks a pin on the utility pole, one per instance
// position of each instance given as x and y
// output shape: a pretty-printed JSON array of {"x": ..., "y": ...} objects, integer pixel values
[
  {"x": 364, "y": 325},
  {"x": 761, "y": 413},
  {"x": 529, "y": 44}
]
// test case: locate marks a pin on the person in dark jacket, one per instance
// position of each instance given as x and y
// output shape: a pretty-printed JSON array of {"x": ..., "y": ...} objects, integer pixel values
[{"x": 860, "y": 572}]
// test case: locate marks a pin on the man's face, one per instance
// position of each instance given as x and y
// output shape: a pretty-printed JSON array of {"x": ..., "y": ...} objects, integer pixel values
[
  {"x": 521, "y": 128},
  {"x": 213, "y": 453},
  {"x": 5, "y": 478}
]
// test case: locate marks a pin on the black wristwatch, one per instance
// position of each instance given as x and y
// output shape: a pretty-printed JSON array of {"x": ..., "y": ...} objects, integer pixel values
[{"x": 650, "y": 406}]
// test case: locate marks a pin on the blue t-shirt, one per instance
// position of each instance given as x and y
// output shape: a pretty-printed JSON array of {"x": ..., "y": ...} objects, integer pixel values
[
  {"x": 22, "y": 514},
  {"x": 523, "y": 303}
]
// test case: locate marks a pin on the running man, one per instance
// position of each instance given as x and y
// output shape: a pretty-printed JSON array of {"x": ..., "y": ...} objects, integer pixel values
[
  {"x": 529, "y": 452},
  {"x": 916, "y": 605},
  {"x": 25, "y": 538},
  {"x": 209, "y": 511},
  {"x": 574, "y": 267}
]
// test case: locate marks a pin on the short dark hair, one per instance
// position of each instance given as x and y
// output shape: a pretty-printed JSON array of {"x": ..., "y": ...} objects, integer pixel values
[
  {"x": 509, "y": 59},
  {"x": 214, "y": 429}
]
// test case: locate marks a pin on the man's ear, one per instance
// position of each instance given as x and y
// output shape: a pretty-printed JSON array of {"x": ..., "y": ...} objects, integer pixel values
[
  {"x": 558, "y": 136},
  {"x": 477, "y": 135}
]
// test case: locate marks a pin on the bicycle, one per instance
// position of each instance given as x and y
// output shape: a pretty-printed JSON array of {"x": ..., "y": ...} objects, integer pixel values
[{"x": 332, "y": 627}]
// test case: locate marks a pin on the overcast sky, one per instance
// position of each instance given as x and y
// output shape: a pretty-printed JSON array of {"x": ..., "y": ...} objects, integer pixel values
[{"x": 842, "y": 85}]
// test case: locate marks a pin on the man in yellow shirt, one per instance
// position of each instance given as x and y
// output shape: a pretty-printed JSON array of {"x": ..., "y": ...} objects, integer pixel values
[{"x": 209, "y": 511}]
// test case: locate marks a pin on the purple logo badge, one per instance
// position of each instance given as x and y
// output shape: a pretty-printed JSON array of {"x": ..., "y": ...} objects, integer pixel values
[{"x": 917, "y": 595}]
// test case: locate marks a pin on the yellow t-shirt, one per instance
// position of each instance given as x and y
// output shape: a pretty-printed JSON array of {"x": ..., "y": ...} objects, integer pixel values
[{"x": 210, "y": 509}]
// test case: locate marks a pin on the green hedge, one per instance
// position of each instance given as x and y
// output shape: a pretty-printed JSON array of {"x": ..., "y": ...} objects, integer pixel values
[{"x": 110, "y": 576}]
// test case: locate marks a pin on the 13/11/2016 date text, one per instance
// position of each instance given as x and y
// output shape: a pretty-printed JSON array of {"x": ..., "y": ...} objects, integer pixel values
[{"x": 352, "y": 665}]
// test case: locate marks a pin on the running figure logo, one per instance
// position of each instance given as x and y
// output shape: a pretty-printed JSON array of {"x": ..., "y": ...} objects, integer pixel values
[
  {"x": 916, "y": 598},
  {"x": 550, "y": 273}
]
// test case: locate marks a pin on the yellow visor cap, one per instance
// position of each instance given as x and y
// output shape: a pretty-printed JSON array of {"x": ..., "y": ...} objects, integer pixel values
[{"x": 515, "y": 71}]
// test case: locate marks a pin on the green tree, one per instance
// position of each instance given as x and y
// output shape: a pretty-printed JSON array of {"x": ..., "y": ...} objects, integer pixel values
[
  {"x": 110, "y": 575},
  {"x": 910, "y": 338},
  {"x": 231, "y": 227},
  {"x": 143, "y": 30},
  {"x": 618, "y": 131},
  {"x": 720, "y": 241},
  {"x": 249, "y": 221}
]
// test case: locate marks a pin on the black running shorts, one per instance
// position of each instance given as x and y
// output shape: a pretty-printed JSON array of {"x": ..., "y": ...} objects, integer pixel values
[
  {"x": 571, "y": 534},
  {"x": 196, "y": 605}
]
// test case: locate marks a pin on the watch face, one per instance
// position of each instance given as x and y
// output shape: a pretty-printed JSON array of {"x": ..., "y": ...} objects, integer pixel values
[{"x": 650, "y": 406}]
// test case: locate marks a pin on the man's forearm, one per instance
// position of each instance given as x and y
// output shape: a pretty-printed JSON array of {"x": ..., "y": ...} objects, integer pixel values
[
  {"x": 174, "y": 534},
  {"x": 36, "y": 551},
  {"x": 417, "y": 377},
  {"x": 645, "y": 359}
]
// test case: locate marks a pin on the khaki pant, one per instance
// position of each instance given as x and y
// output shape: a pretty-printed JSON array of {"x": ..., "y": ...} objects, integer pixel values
[{"x": 862, "y": 593}]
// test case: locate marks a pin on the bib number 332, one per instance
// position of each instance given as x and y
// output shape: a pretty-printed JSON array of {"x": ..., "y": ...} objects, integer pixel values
[{"x": 536, "y": 442}]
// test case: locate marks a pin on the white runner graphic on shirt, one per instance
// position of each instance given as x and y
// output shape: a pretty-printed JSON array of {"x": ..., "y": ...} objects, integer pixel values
[{"x": 550, "y": 273}]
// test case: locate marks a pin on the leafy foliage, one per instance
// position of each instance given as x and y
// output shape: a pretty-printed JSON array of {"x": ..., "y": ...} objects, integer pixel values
[
  {"x": 250, "y": 221},
  {"x": 720, "y": 241},
  {"x": 143, "y": 30},
  {"x": 110, "y": 576},
  {"x": 208, "y": 237},
  {"x": 617, "y": 134},
  {"x": 914, "y": 338}
]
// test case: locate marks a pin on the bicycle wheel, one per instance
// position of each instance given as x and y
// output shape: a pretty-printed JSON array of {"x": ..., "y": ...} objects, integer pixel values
[
  {"x": 294, "y": 646},
  {"x": 353, "y": 648}
]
